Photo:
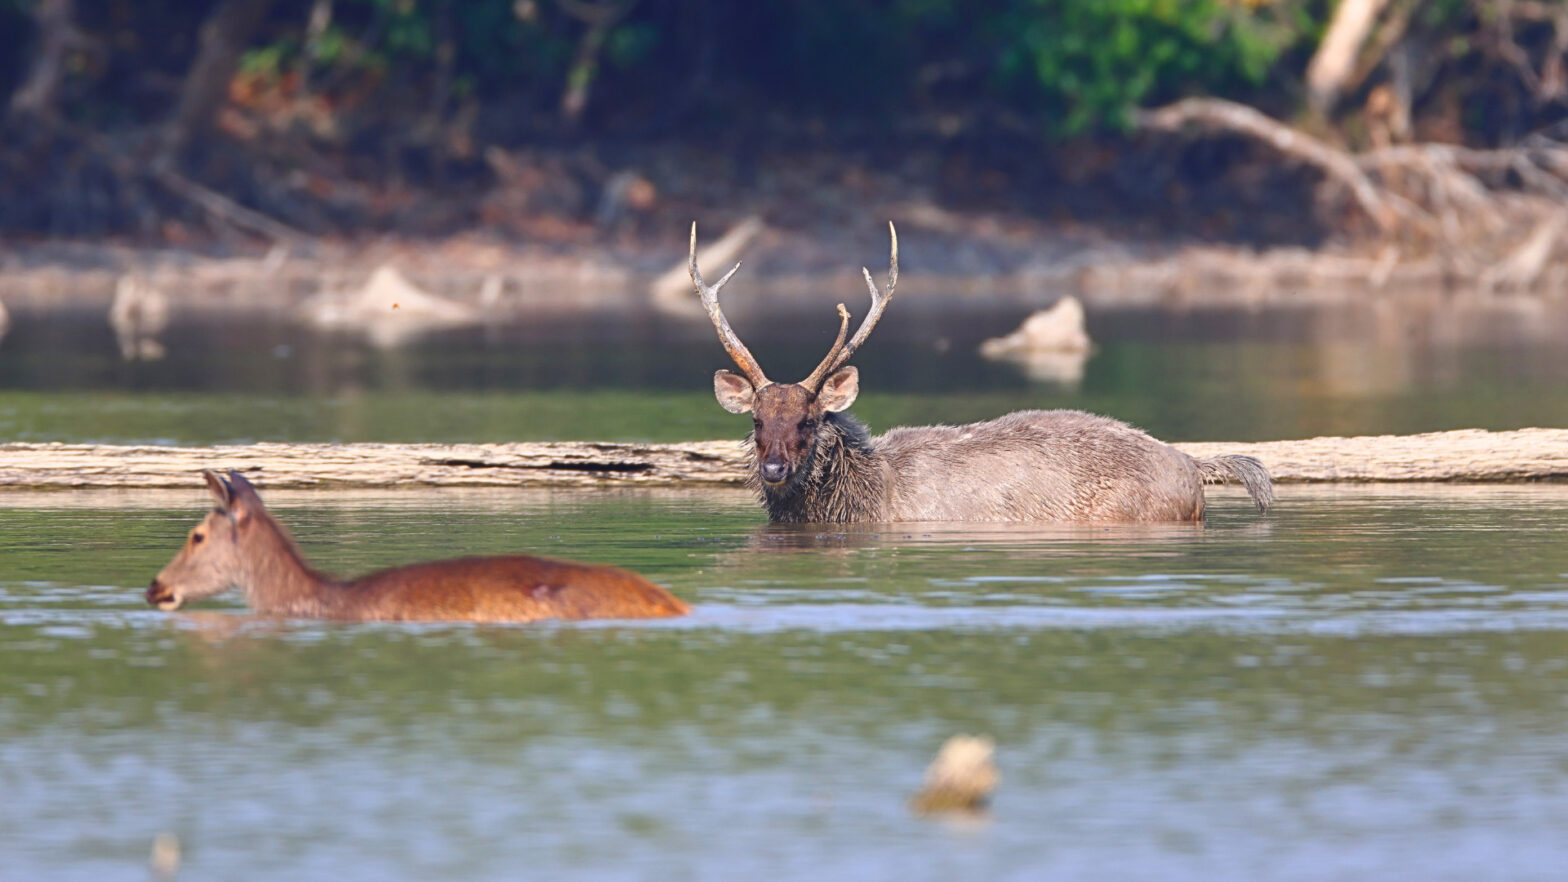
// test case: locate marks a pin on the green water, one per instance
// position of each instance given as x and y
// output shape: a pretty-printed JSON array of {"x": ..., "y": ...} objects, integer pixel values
[
  {"x": 1367, "y": 683},
  {"x": 1200, "y": 377}
]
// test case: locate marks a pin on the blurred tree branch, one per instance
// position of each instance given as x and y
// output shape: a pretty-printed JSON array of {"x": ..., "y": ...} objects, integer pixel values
[
  {"x": 600, "y": 17},
  {"x": 224, "y": 35},
  {"x": 57, "y": 36},
  {"x": 1332, "y": 65}
]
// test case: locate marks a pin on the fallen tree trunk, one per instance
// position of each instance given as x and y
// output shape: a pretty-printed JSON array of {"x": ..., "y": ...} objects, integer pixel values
[
  {"x": 1229, "y": 116},
  {"x": 1471, "y": 208},
  {"x": 373, "y": 465},
  {"x": 1465, "y": 455}
]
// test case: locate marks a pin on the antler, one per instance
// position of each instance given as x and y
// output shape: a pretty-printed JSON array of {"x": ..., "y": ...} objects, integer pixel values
[
  {"x": 814, "y": 380},
  {"x": 842, "y": 352},
  {"x": 710, "y": 302}
]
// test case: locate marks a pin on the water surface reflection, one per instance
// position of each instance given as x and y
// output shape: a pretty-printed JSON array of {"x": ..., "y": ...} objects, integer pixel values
[
  {"x": 1367, "y": 686},
  {"x": 1276, "y": 371}
]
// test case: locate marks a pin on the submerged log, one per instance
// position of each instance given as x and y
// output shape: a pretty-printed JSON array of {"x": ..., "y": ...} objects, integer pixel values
[{"x": 1468, "y": 455}]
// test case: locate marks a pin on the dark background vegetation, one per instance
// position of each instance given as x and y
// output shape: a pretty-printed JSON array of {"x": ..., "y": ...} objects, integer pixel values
[{"x": 565, "y": 120}]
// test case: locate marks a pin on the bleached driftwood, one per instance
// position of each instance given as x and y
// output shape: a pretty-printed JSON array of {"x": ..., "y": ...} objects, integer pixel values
[
  {"x": 1229, "y": 116},
  {"x": 1468, "y": 455},
  {"x": 390, "y": 310},
  {"x": 1332, "y": 66},
  {"x": 672, "y": 290},
  {"x": 139, "y": 313},
  {"x": 373, "y": 465},
  {"x": 1051, "y": 345},
  {"x": 1058, "y": 329},
  {"x": 1462, "y": 455},
  {"x": 1470, "y": 207}
]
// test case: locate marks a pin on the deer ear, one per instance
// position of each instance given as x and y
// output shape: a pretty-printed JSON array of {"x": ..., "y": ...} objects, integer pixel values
[
  {"x": 220, "y": 490},
  {"x": 243, "y": 499},
  {"x": 733, "y": 391},
  {"x": 839, "y": 389}
]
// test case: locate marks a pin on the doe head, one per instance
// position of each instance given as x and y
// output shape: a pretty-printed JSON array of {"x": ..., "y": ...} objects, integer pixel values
[
  {"x": 212, "y": 560},
  {"x": 787, "y": 417}
]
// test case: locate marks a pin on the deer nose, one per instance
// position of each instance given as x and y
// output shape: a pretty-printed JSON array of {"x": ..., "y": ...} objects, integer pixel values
[
  {"x": 774, "y": 472},
  {"x": 157, "y": 595}
]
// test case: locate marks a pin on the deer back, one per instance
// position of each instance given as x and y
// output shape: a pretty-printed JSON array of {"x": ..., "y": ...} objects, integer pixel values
[
  {"x": 1039, "y": 465},
  {"x": 511, "y": 588}
]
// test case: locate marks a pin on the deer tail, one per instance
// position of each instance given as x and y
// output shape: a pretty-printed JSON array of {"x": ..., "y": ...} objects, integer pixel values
[{"x": 1248, "y": 470}]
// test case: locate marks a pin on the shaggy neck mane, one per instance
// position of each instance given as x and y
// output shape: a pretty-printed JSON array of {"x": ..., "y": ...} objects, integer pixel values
[
  {"x": 281, "y": 582},
  {"x": 844, "y": 479}
]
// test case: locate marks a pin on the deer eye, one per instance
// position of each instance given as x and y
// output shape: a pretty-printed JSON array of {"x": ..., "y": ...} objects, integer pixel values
[
  {"x": 196, "y": 538},
  {"x": 808, "y": 425}
]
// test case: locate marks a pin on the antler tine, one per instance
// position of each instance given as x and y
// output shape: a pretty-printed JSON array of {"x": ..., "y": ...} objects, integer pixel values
[
  {"x": 879, "y": 303},
  {"x": 814, "y": 380},
  {"x": 710, "y": 302}
]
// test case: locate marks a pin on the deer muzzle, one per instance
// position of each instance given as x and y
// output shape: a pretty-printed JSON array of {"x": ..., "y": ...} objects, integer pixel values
[
  {"x": 160, "y": 596},
  {"x": 774, "y": 471}
]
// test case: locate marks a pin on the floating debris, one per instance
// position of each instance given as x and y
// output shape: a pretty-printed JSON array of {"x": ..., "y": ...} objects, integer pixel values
[
  {"x": 961, "y": 777},
  {"x": 165, "y": 858}
]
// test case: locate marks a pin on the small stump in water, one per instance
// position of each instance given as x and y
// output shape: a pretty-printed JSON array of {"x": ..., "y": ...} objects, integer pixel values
[
  {"x": 961, "y": 777},
  {"x": 1050, "y": 346}
]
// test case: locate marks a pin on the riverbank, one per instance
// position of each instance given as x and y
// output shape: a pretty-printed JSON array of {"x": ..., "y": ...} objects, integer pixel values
[
  {"x": 1468, "y": 455},
  {"x": 526, "y": 281}
]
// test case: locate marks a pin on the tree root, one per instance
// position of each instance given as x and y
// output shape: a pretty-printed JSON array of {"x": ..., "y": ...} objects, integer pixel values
[{"x": 1470, "y": 208}]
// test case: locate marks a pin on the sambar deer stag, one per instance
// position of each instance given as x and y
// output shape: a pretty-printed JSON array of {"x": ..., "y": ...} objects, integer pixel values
[
  {"x": 240, "y": 544},
  {"x": 813, "y": 462}
]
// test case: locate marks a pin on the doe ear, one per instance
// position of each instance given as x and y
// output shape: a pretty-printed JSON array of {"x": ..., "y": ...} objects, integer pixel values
[
  {"x": 243, "y": 498},
  {"x": 221, "y": 493},
  {"x": 839, "y": 389},
  {"x": 734, "y": 391}
]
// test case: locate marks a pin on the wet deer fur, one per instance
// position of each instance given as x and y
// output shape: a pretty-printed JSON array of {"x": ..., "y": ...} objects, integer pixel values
[
  {"x": 241, "y": 545},
  {"x": 811, "y": 461}
]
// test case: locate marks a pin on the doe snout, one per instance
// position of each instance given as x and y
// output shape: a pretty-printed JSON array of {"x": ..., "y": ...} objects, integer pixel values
[{"x": 162, "y": 597}]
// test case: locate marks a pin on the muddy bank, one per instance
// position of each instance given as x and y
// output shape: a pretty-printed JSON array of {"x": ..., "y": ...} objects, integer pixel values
[{"x": 1469, "y": 455}]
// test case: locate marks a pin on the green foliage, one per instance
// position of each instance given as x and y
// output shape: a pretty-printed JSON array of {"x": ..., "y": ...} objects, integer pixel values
[
  {"x": 1090, "y": 63},
  {"x": 1074, "y": 66},
  {"x": 630, "y": 44},
  {"x": 269, "y": 60}
]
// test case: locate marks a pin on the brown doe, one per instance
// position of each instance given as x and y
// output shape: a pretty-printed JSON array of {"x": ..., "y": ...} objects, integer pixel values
[
  {"x": 241, "y": 545},
  {"x": 813, "y": 462}
]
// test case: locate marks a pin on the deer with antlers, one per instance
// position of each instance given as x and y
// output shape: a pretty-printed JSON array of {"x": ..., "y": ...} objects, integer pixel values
[{"x": 814, "y": 462}]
